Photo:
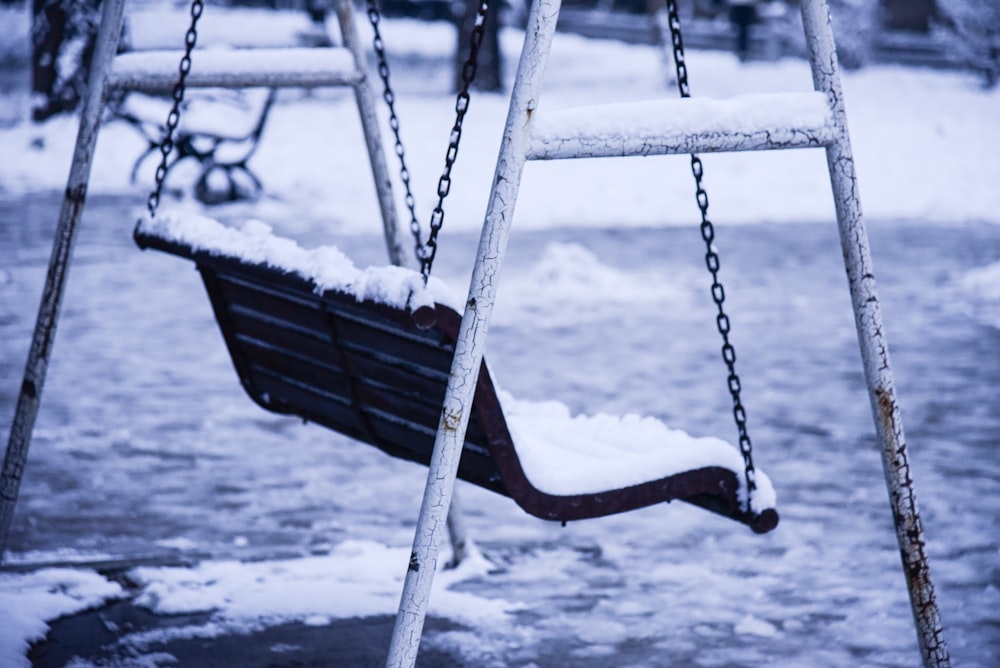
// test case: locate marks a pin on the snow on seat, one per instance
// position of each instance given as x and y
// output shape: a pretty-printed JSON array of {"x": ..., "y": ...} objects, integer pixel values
[
  {"x": 563, "y": 454},
  {"x": 156, "y": 70},
  {"x": 368, "y": 354},
  {"x": 679, "y": 126}
]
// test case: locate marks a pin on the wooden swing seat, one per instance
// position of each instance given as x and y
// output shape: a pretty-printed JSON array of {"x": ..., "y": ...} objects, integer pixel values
[{"x": 378, "y": 374}]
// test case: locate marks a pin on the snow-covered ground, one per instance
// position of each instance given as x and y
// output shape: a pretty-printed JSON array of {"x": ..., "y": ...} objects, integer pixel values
[{"x": 141, "y": 447}]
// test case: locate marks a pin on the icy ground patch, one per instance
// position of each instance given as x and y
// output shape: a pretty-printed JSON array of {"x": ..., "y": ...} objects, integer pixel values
[
  {"x": 193, "y": 471},
  {"x": 30, "y": 600}
]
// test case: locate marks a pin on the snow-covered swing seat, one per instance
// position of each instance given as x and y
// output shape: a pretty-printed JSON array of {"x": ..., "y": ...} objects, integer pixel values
[{"x": 368, "y": 352}]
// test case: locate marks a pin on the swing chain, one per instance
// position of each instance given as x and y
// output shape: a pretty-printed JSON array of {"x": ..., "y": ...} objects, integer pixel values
[
  {"x": 713, "y": 263},
  {"x": 425, "y": 251},
  {"x": 174, "y": 117},
  {"x": 469, "y": 68},
  {"x": 374, "y": 17}
]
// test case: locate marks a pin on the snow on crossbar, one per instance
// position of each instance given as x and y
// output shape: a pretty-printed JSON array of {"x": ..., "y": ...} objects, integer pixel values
[
  {"x": 156, "y": 71},
  {"x": 680, "y": 126}
]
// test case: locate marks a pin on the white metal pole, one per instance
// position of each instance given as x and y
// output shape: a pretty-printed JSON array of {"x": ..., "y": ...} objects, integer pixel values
[
  {"x": 55, "y": 281},
  {"x": 871, "y": 337},
  {"x": 373, "y": 138},
  {"x": 472, "y": 338},
  {"x": 395, "y": 238}
]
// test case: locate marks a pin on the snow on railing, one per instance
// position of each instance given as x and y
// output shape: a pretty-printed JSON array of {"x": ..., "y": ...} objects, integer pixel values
[
  {"x": 153, "y": 71},
  {"x": 679, "y": 126}
]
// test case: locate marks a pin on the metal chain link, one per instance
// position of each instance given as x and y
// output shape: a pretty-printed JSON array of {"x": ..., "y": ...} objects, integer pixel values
[
  {"x": 712, "y": 261},
  {"x": 375, "y": 18},
  {"x": 174, "y": 117},
  {"x": 425, "y": 252},
  {"x": 461, "y": 107}
]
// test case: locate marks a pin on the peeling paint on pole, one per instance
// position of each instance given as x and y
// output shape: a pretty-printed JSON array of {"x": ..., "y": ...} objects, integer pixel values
[
  {"x": 596, "y": 133},
  {"x": 871, "y": 337},
  {"x": 471, "y": 339}
]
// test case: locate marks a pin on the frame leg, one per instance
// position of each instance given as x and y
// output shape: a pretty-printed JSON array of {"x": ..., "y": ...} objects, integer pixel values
[
  {"x": 55, "y": 281},
  {"x": 871, "y": 338},
  {"x": 472, "y": 337}
]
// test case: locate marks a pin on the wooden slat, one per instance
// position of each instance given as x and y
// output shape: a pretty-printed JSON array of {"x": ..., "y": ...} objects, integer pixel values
[
  {"x": 430, "y": 387},
  {"x": 308, "y": 371},
  {"x": 356, "y": 325},
  {"x": 322, "y": 408},
  {"x": 286, "y": 303},
  {"x": 282, "y": 335},
  {"x": 476, "y": 465}
]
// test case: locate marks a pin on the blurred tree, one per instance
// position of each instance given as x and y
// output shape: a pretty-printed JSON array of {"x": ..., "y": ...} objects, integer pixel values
[
  {"x": 489, "y": 72},
  {"x": 742, "y": 15},
  {"x": 62, "y": 43},
  {"x": 909, "y": 15},
  {"x": 856, "y": 24},
  {"x": 971, "y": 30}
]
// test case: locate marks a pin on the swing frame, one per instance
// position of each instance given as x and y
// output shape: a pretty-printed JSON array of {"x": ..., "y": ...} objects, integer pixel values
[{"x": 468, "y": 354}]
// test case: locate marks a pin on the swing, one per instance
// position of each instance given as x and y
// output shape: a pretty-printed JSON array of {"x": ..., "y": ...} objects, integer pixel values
[{"x": 368, "y": 354}]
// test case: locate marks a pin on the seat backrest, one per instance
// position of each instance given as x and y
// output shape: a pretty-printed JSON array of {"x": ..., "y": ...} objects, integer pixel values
[{"x": 360, "y": 368}]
